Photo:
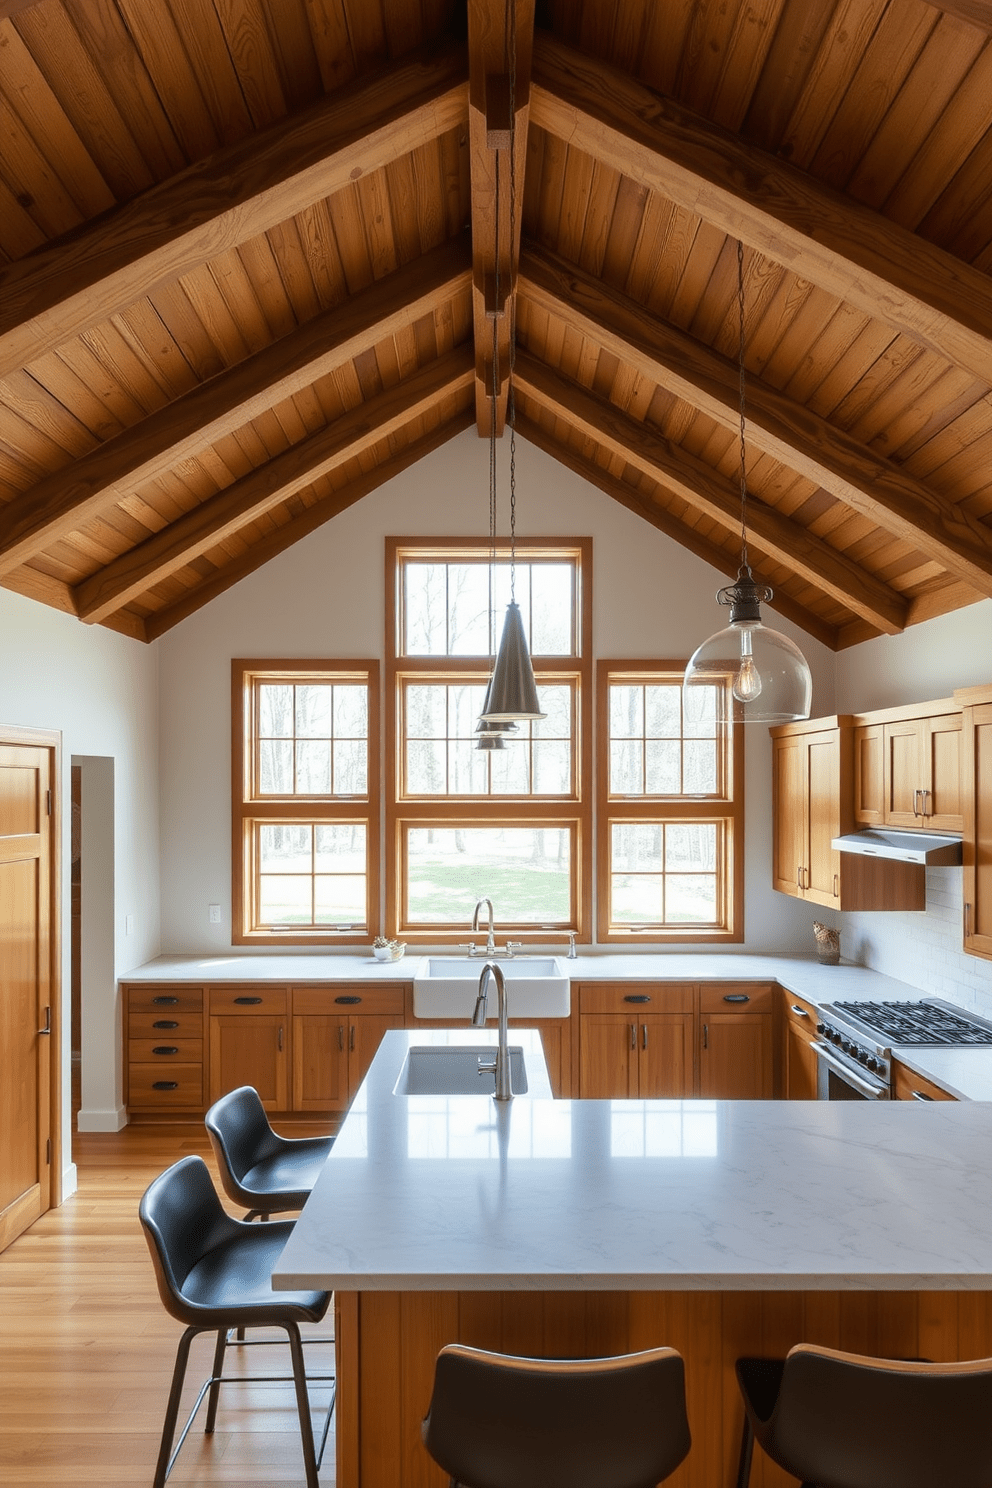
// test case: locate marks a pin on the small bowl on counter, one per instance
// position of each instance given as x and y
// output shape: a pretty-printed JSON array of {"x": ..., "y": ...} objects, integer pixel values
[{"x": 390, "y": 950}]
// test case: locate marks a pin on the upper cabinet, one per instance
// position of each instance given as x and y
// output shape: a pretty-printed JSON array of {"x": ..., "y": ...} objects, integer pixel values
[
  {"x": 907, "y": 768},
  {"x": 811, "y": 773},
  {"x": 977, "y": 801}
]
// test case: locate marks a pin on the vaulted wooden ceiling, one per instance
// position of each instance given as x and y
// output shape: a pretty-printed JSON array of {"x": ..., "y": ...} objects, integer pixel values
[{"x": 249, "y": 271}]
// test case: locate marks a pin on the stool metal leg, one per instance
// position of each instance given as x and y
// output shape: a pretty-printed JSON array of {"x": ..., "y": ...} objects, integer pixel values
[
  {"x": 303, "y": 1404},
  {"x": 172, "y": 1409},
  {"x": 216, "y": 1372},
  {"x": 747, "y": 1451}
]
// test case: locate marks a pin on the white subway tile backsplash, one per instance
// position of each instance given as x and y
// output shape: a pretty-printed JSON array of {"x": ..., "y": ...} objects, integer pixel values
[{"x": 924, "y": 950}]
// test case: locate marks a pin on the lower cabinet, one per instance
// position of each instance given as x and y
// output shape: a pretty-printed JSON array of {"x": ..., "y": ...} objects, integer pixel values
[
  {"x": 248, "y": 1040},
  {"x": 736, "y": 1041},
  {"x": 910, "y": 1086},
  {"x": 798, "y": 1054},
  {"x": 163, "y": 1034},
  {"x": 336, "y": 1032}
]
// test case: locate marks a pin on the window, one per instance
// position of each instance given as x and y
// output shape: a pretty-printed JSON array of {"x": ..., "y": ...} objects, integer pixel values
[
  {"x": 670, "y": 807},
  {"x": 511, "y": 822},
  {"x": 306, "y": 801}
]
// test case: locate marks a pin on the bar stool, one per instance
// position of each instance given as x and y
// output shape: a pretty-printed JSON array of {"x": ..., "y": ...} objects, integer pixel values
[
  {"x": 837, "y": 1420},
  {"x": 501, "y": 1422},
  {"x": 263, "y": 1172}
]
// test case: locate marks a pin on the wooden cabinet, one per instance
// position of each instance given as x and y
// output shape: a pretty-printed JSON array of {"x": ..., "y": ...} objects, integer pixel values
[
  {"x": 977, "y": 835},
  {"x": 907, "y": 769},
  {"x": 736, "y": 1041},
  {"x": 636, "y": 1041},
  {"x": 336, "y": 1032},
  {"x": 163, "y": 1065},
  {"x": 911, "y": 1086},
  {"x": 811, "y": 787},
  {"x": 798, "y": 1056},
  {"x": 249, "y": 1043}
]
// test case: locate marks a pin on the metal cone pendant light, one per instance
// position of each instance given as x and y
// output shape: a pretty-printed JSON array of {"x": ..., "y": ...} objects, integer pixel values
[{"x": 771, "y": 678}]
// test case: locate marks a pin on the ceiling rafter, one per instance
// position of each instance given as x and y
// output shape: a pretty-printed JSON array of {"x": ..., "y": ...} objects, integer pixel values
[
  {"x": 64, "y": 500},
  {"x": 73, "y": 283},
  {"x": 705, "y": 489},
  {"x": 656, "y": 516},
  {"x": 206, "y": 525},
  {"x": 799, "y": 439},
  {"x": 494, "y": 269},
  {"x": 815, "y": 232},
  {"x": 57, "y": 594},
  {"x": 301, "y": 526}
]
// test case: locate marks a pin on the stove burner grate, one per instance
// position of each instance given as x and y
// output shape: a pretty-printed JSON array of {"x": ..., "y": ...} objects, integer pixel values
[{"x": 916, "y": 1023}]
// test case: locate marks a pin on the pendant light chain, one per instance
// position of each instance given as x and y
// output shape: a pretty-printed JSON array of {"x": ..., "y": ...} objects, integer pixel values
[
  {"x": 492, "y": 436},
  {"x": 510, "y": 43},
  {"x": 741, "y": 380}
]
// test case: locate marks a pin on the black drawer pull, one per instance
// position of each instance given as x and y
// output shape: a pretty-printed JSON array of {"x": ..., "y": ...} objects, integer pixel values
[
  {"x": 347, "y": 1001},
  {"x": 247, "y": 1001},
  {"x": 165, "y": 1023},
  {"x": 165, "y": 1085},
  {"x": 736, "y": 997},
  {"x": 165, "y": 1001},
  {"x": 638, "y": 997},
  {"x": 166, "y": 1049}
]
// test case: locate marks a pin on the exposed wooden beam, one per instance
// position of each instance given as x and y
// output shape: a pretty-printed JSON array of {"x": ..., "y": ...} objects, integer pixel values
[
  {"x": 208, "y": 524},
  {"x": 656, "y": 515},
  {"x": 12, "y": 7},
  {"x": 975, "y": 12},
  {"x": 63, "y": 501},
  {"x": 59, "y": 596},
  {"x": 706, "y": 490},
  {"x": 827, "y": 238},
  {"x": 76, "y": 281},
  {"x": 315, "y": 516},
  {"x": 791, "y": 434},
  {"x": 489, "y": 41}
]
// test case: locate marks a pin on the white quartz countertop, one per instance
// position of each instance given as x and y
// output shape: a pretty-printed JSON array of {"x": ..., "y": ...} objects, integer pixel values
[{"x": 461, "y": 1193}]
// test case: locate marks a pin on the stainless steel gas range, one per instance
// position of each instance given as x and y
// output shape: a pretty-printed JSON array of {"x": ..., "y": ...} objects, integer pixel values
[{"x": 855, "y": 1040}]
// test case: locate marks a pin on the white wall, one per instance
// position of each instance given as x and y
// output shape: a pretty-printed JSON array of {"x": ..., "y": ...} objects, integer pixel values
[
  {"x": 101, "y": 690},
  {"x": 926, "y": 661},
  {"x": 326, "y": 597}
]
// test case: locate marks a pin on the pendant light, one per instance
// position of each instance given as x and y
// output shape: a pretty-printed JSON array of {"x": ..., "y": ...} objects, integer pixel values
[
  {"x": 771, "y": 678},
  {"x": 512, "y": 691}
]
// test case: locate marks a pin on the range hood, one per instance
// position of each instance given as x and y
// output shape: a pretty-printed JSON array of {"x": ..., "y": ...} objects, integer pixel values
[{"x": 932, "y": 849}]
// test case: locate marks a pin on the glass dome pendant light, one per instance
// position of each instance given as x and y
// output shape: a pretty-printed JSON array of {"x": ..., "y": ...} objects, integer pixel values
[
  {"x": 771, "y": 678},
  {"x": 512, "y": 691}
]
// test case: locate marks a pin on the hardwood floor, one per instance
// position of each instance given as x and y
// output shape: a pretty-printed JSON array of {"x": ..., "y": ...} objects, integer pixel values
[{"x": 87, "y": 1350}]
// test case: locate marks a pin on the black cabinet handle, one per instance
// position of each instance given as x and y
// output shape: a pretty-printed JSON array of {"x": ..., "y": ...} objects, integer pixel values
[
  {"x": 165, "y": 1001},
  {"x": 165, "y": 1049},
  {"x": 706, "y": 1036},
  {"x": 165, "y": 1023},
  {"x": 348, "y": 1001},
  {"x": 736, "y": 997},
  {"x": 247, "y": 1001},
  {"x": 638, "y": 997},
  {"x": 165, "y": 1085}
]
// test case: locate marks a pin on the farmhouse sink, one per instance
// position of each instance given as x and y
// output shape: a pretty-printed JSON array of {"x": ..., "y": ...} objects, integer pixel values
[
  {"x": 434, "y": 1071},
  {"x": 446, "y": 987}
]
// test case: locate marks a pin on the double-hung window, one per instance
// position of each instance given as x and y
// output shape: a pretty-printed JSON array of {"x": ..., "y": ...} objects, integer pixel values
[
  {"x": 510, "y": 821},
  {"x": 669, "y": 807},
  {"x": 306, "y": 801}
]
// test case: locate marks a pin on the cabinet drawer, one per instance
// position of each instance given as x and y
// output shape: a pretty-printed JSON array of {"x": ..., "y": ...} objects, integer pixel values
[
  {"x": 161, "y": 1086},
  {"x": 635, "y": 998},
  {"x": 164, "y": 1049},
  {"x": 348, "y": 1000},
  {"x": 248, "y": 1000},
  {"x": 735, "y": 997},
  {"x": 910, "y": 1086},
  {"x": 165, "y": 1025},
  {"x": 160, "y": 999}
]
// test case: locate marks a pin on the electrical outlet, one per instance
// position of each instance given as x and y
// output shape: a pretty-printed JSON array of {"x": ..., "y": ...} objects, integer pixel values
[
  {"x": 213, "y": 914},
  {"x": 129, "y": 924}
]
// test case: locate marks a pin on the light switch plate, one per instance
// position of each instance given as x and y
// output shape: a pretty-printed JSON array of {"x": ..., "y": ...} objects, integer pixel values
[{"x": 213, "y": 914}]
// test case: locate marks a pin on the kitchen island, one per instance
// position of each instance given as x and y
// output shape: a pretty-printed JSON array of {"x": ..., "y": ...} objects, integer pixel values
[{"x": 597, "y": 1227}]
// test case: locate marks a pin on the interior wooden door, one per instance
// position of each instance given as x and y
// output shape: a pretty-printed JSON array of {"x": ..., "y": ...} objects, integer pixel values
[{"x": 25, "y": 987}]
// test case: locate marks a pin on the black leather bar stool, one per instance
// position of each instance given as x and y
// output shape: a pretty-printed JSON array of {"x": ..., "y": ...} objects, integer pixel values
[
  {"x": 502, "y": 1422},
  {"x": 214, "y": 1273},
  {"x": 838, "y": 1420},
  {"x": 259, "y": 1170}
]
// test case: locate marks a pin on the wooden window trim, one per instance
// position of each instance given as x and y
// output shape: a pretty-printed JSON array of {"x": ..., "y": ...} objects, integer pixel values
[
  {"x": 727, "y": 809},
  {"x": 574, "y": 813},
  {"x": 247, "y": 809}
]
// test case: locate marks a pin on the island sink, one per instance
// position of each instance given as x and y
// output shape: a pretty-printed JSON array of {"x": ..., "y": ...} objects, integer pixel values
[
  {"x": 439, "y": 1071},
  {"x": 446, "y": 986}
]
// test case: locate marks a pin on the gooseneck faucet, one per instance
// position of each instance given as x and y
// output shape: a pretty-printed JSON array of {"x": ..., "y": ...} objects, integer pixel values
[
  {"x": 501, "y": 1065},
  {"x": 490, "y": 938}
]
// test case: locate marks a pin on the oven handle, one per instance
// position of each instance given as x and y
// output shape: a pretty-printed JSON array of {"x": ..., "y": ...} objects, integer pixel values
[{"x": 872, "y": 1089}]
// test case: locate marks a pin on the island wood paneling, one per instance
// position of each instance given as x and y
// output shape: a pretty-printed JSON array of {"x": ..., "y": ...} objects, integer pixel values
[{"x": 394, "y": 1338}]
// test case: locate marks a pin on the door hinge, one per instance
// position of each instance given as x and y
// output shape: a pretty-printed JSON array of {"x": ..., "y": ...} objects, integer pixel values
[
  {"x": 48, "y": 1151},
  {"x": 48, "y": 803}
]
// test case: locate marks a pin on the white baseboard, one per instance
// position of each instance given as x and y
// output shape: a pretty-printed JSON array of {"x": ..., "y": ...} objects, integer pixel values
[
  {"x": 70, "y": 1181},
  {"x": 102, "y": 1121}
]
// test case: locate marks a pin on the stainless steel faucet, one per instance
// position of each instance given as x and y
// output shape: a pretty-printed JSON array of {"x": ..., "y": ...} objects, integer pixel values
[
  {"x": 490, "y": 938},
  {"x": 500, "y": 1066}
]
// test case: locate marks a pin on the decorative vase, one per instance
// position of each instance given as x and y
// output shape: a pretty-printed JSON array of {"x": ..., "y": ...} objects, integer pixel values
[{"x": 827, "y": 944}]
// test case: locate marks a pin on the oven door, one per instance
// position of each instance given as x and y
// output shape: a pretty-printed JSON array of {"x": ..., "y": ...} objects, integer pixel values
[{"x": 836, "y": 1080}]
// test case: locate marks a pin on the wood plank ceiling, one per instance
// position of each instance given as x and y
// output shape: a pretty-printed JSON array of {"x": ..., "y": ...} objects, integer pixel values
[{"x": 259, "y": 256}]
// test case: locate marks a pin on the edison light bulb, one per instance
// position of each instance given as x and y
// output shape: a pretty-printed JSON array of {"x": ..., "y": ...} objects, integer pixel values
[{"x": 747, "y": 683}]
